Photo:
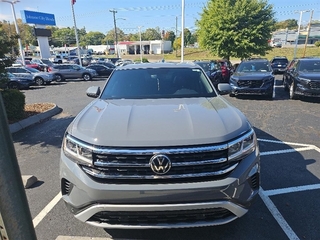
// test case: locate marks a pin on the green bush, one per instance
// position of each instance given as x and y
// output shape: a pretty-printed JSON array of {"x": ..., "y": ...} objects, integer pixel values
[
  {"x": 14, "y": 102},
  {"x": 317, "y": 43},
  {"x": 144, "y": 60}
]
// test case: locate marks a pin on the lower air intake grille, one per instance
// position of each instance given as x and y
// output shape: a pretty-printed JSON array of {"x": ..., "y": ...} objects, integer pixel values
[{"x": 168, "y": 217}]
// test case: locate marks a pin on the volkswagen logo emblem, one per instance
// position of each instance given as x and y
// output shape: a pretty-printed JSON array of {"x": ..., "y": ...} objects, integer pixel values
[{"x": 160, "y": 164}]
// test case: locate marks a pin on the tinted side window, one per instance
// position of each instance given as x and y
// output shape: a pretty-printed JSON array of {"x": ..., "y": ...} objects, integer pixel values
[{"x": 21, "y": 70}]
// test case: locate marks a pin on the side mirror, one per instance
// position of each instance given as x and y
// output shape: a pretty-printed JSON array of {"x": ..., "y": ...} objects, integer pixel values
[
  {"x": 93, "y": 91},
  {"x": 224, "y": 88}
]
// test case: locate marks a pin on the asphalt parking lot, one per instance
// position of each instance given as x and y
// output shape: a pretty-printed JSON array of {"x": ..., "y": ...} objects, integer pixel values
[{"x": 289, "y": 140}]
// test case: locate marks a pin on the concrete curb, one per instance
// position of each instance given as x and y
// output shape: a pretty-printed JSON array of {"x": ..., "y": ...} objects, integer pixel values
[{"x": 15, "y": 127}]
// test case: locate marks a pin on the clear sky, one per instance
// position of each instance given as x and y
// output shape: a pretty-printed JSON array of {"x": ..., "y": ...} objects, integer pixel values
[{"x": 95, "y": 15}]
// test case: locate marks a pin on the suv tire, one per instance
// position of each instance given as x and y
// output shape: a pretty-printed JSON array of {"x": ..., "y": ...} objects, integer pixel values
[
  {"x": 59, "y": 78},
  {"x": 86, "y": 77},
  {"x": 39, "y": 81},
  {"x": 291, "y": 91}
]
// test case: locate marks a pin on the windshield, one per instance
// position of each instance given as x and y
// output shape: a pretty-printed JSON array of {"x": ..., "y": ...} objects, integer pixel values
[
  {"x": 157, "y": 83},
  {"x": 45, "y": 61},
  {"x": 280, "y": 61},
  {"x": 253, "y": 67},
  {"x": 207, "y": 66},
  {"x": 309, "y": 66}
]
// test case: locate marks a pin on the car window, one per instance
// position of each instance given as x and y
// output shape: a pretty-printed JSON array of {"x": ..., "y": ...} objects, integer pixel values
[
  {"x": 157, "y": 83},
  {"x": 32, "y": 70},
  {"x": 21, "y": 70},
  {"x": 12, "y": 70},
  {"x": 252, "y": 66},
  {"x": 309, "y": 66},
  {"x": 280, "y": 60},
  {"x": 75, "y": 67}
]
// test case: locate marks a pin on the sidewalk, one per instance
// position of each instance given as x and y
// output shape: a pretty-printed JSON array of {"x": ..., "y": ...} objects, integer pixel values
[{"x": 15, "y": 127}]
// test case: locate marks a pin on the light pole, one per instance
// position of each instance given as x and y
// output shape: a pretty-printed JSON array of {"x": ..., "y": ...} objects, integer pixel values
[
  {"x": 16, "y": 25},
  {"x": 182, "y": 30},
  {"x": 297, "y": 38},
  {"x": 140, "y": 43}
]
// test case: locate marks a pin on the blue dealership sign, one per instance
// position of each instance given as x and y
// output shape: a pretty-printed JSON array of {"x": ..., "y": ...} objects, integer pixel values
[{"x": 38, "y": 18}]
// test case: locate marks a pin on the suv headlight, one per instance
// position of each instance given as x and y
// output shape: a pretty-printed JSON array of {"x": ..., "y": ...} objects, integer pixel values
[
  {"x": 242, "y": 147},
  {"x": 304, "y": 80},
  {"x": 78, "y": 151}
]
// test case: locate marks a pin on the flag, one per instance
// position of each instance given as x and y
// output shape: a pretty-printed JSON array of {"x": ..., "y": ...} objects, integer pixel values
[{"x": 73, "y": 1}]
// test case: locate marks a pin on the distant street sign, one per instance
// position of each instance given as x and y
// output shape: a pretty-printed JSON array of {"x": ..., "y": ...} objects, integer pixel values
[{"x": 38, "y": 18}]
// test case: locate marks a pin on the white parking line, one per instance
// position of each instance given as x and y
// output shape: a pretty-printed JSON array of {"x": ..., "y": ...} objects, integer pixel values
[
  {"x": 46, "y": 210},
  {"x": 286, "y": 151},
  {"x": 286, "y": 143},
  {"x": 291, "y": 189},
  {"x": 277, "y": 215}
]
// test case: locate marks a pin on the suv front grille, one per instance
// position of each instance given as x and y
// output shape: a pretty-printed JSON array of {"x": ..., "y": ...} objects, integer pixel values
[
  {"x": 250, "y": 84},
  {"x": 133, "y": 166},
  {"x": 158, "y": 217},
  {"x": 314, "y": 85}
]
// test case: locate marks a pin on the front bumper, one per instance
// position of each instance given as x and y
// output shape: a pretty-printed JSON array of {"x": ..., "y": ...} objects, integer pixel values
[
  {"x": 132, "y": 206},
  {"x": 252, "y": 91},
  {"x": 305, "y": 91},
  {"x": 279, "y": 70}
]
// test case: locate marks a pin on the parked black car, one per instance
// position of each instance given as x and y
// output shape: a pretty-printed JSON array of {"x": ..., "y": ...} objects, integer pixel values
[
  {"x": 253, "y": 77},
  {"x": 108, "y": 64},
  {"x": 102, "y": 70},
  {"x": 302, "y": 78},
  {"x": 212, "y": 69},
  {"x": 279, "y": 64}
]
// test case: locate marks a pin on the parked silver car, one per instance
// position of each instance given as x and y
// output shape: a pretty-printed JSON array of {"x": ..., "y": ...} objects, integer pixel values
[
  {"x": 72, "y": 71},
  {"x": 39, "y": 77},
  {"x": 159, "y": 148}
]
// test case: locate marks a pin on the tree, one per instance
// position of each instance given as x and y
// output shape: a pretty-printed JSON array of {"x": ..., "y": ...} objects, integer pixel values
[
  {"x": 110, "y": 36},
  {"x": 177, "y": 43},
  {"x": 151, "y": 34},
  {"x": 169, "y": 36},
  {"x": 63, "y": 36},
  {"x": 6, "y": 43},
  {"x": 236, "y": 28},
  {"x": 187, "y": 36},
  {"x": 94, "y": 38},
  {"x": 289, "y": 23}
]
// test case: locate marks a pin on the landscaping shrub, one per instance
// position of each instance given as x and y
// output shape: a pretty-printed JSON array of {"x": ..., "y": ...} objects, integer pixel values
[
  {"x": 144, "y": 60},
  {"x": 14, "y": 102},
  {"x": 317, "y": 43}
]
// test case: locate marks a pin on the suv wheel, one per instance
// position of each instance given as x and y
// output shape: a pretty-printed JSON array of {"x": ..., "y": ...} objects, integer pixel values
[
  {"x": 13, "y": 85},
  {"x": 59, "y": 78},
  {"x": 291, "y": 92},
  {"x": 39, "y": 81},
  {"x": 86, "y": 77}
]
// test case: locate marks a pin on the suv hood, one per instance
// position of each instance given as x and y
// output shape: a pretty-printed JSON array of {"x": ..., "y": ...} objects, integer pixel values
[
  {"x": 310, "y": 75},
  {"x": 158, "y": 122}
]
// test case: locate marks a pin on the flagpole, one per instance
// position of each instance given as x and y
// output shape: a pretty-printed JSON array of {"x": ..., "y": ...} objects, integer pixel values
[{"x": 75, "y": 31}]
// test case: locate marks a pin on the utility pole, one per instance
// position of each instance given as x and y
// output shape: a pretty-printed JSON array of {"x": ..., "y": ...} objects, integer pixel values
[
  {"x": 140, "y": 43},
  {"x": 308, "y": 33},
  {"x": 115, "y": 30}
]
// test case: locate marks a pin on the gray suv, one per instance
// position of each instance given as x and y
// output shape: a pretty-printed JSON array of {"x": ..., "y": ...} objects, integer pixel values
[
  {"x": 72, "y": 71},
  {"x": 159, "y": 148},
  {"x": 40, "y": 78}
]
